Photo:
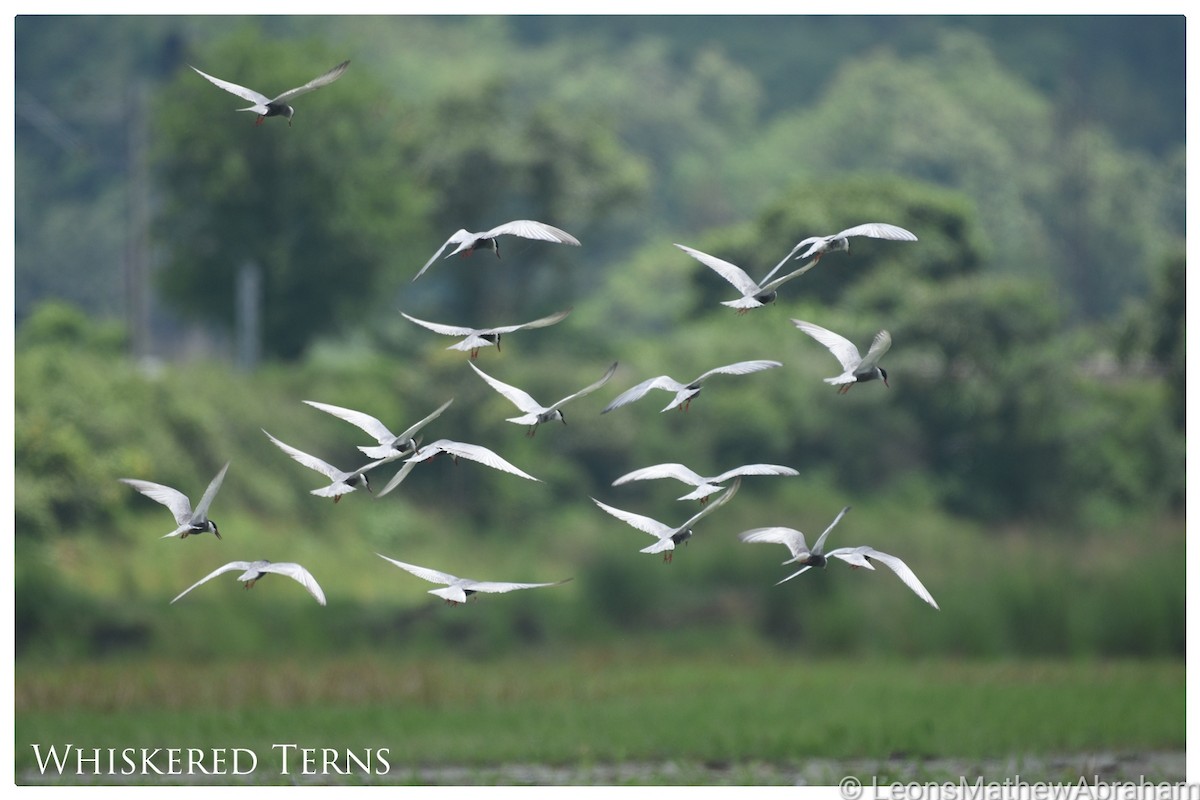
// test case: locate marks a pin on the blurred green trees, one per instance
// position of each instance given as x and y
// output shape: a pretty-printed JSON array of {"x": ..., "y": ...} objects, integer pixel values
[{"x": 1037, "y": 398}]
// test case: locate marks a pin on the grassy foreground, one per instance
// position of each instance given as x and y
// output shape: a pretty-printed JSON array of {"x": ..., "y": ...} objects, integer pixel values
[{"x": 594, "y": 707}]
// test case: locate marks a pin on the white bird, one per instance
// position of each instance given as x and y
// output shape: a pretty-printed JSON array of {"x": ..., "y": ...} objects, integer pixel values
[
  {"x": 534, "y": 412},
  {"x": 685, "y": 392},
  {"x": 794, "y": 541},
  {"x": 458, "y": 589},
  {"x": 475, "y": 338},
  {"x": 278, "y": 107},
  {"x": 340, "y": 482},
  {"x": 667, "y": 536},
  {"x": 856, "y": 368},
  {"x": 817, "y": 246},
  {"x": 456, "y": 450},
  {"x": 816, "y": 557},
  {"x": 754, "y": 295},
  {"x": 189, "y": 520},
  {"x": 253, "y": 570},
  {"x": 704, "y": 486},
  {"x": 526, "y": 228},
  {"x": 391, "y": 446}
]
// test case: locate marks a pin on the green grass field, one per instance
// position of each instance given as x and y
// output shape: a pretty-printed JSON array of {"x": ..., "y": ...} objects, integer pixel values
[{"x": 596, "y": 707}]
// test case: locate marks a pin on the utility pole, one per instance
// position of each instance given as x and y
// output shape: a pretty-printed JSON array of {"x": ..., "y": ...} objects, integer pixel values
[{"x": 248, "y": 301}]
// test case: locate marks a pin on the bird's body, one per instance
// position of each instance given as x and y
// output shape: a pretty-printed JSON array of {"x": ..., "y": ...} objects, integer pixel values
[
  {"x": 856, "y": 557},
  {"x": 754, "y": 295},
  {"x": 668, "y": 537},
  {"x": 189, "y": 521},
  {"x": 468, "y": 242},
  {"x": 391, "y": 446},
  {"x": 705, "y": 487},
  {"x": 476, "y": 338},
  {"x": 253, "y": 570},
  {"x": 685, "y": 392},
  {"x": 456, "y": 450},
  {"x": 457, "y": 589},
  {"x": 264, "y": 106},
  {"x": 341, "y": 482},
  {"x": 534, "y": 413},
  {"x": 855, "y": 368}
]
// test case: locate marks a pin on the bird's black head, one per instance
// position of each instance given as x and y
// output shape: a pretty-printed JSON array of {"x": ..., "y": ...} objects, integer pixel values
[
  {"x": 215, "y": 530},
  {"x": 883, "y": 374},
  {"x": 288, "y": 111}
]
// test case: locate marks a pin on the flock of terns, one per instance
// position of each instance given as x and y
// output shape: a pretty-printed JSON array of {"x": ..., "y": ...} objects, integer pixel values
[{"x": 389, "y": 447}]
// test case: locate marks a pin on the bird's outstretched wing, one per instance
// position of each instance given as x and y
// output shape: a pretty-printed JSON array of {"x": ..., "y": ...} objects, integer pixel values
[
  {"x": 312, "y": 462},
  {"x": 677, "y": 471},
  {"x": 532, "y": 229},
  {"x": 878, "y": 230},
  {"x": 398, "y": 478},
  {"x": 232, "y": 565},
  {"x": 201, "y": 511},
  {"x": 587, "y": 389},
  {"x": 842, "y": 348},
  {"x": 173, "y": 499},
  {"x": 558, "y": 316},
  {"x": 424, "y": 573},
  {"x": 357, "y": 418},
  {"x": 241, "y": 91},
  {"x": 790, "y": 538},
  {"x": 298, "y": 574},
  {"x": 480, "y": 454},
  {"x": 639, "y": 391},
  {"x": 644, "y": 524},
  {"x": 437, "y": 327},
  {"x": 518, "y": 397},
  {"x": 459, "y": 236},
  {"x": 497, "y": 587},
  {"x": 782, "y": 279},
  {"x": 879, "y": 345},
  {"x": 754, "y": 469},
  {"x": 411, "y": 431},
  {"x": 315, "y": 83},
  {"x": 894, "y": 564},
  {"x": 730, "y": 272},
  {"x": 819, "y": 547},
  {"x": 800, "y": 571},
  {"x": 740, "y": 368}
]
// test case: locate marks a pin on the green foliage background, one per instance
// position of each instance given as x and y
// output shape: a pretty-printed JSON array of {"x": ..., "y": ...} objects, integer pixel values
[{"x": 1027, "y": 461}]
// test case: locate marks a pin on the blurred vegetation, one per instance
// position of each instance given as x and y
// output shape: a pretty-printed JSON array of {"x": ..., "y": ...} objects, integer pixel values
[{"x": 1027, "y": 461}]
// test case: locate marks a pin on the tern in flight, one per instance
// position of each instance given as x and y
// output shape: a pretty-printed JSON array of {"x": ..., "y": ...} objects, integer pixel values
[
  {"x": 476, "y": 338},
  {"x": 705, "y": 487},
  {"x": 391, "y": 446},
  {"x": 667, "y": 536},
  {"x": 340, "y": 482},
  {"x": 459, "y": 589},
  {"x": 817, "y": 246},
  {"x": 266, "y": 107},
  {"x": 855, "y": 368},
  {"x": 526, "y": 228},
  {"x": 253, "y": 570},
  {"x": 534, "y": 413},
  {"x": 754, "y": 295},
  {"x": 856, "y": 557},
  {"x": 685, "y": 392},
  {"x": 456, "y": 450},
  {"x": 189, "y": 520}
]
